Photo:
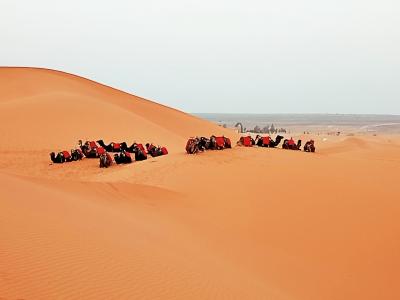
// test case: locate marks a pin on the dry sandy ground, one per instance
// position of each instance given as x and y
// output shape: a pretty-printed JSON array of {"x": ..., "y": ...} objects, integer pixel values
[{"x": 245, "y": 223}]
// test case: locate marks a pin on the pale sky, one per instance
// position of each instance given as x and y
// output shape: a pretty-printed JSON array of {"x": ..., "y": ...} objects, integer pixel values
[{"x": 281, "y": 56}]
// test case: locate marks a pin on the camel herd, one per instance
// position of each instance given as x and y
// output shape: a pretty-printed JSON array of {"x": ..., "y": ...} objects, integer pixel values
[
  {"x": 92, "y": 149},
  {"x": 200, "y": 144},
  {"x": 267, "y": 141},
  {"x": 124, "y": 154}
]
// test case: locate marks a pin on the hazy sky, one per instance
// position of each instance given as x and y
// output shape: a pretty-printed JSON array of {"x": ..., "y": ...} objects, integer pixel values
[{"x": 339, "y": 56}]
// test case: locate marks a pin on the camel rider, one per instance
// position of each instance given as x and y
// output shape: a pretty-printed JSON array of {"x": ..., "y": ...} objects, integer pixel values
[{"x": 291, "y": 142}]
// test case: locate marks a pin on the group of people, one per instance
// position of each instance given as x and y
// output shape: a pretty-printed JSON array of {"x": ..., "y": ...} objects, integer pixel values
[
  {"x": 100, "y": 150},
  {"x": 200, "y": 144},
  {"x": 267, "y": 141}
]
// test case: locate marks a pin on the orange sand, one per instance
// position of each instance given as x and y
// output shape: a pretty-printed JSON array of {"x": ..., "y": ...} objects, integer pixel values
[{"x": 245, "y": 223}]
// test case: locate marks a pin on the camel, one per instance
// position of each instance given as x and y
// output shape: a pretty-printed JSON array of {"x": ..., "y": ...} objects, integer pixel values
[
  {"x": 140, "y": 152},
  {"x": 196, "y": 144},
  {"x": 193, "y": 145},
  {"x": 291, "y": 145},
  {"x": 124, "y": 147},
  {"x": 132, "y": 148},
  {"x": 106, "y": 147},
  {"x": 228, "y": 143},
  {"x": 76, "y": 154},
  {"x": 156, "y": 151},
  {"x": 111, "y": 147},
  {"x": 57, "y": 159},
  {"x": 89, "y": 149},
  {"x": 309, "y": 146},
  {"x": 273, "y": 144},
  {"x": 246, "y": 141},
  {"x": 268, "y": 141},
  {"x": 217, "y": 143},
  {"x": 105, "y": 160},
  {"x": 200, "y": 144},
  {"x": 213, "y": 143},
  {"x": 137, "y": 149},
  {"x": 204, "y": 143},
  {"x": 263, "y": 141},
  {"x": 61, "y": 157},
  {"x": 123, "y": 158}
]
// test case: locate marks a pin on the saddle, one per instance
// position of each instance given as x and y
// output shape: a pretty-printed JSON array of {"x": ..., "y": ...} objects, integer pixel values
[
  {"x": 219, "y": 142},
  {"x": 66, "y": 155},
  {"x": 100, "y": 151},
  {"x": 266, "y": 140},
  {"x": 164, "y": 151},
  {"x": 93, "y": 145},
  {"x": 246, "y": 141},
  {"x": 116, "y": 147}
]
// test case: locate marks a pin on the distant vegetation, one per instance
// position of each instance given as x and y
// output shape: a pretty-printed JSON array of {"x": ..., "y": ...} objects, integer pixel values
[
  {"x": 257, "y": 129},
  {"x": 268, "y": 129}
]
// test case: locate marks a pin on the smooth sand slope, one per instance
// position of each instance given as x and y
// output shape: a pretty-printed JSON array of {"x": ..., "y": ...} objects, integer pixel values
[
  {"x": 233, "y": 224},
  {"x": 42, "y": 108}
]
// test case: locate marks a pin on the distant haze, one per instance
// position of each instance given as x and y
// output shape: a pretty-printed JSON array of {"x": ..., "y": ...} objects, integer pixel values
[
  {"x": 312, "y": 123},
  {"x": 286, "y": 56}
]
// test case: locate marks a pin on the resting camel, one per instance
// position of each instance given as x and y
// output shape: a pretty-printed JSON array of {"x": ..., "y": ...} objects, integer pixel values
[
  {"x": 105, "y": 160},
  {"x": 217, "y": 143},
  {"x": 156, "y": 151},
  {"x": 123, "y": 158},
  {"x": 277, "y": 141},
  {"x": 89, "y": 149},
  {"x": 59, "y": 158},
  {"x": 291, "y": 145},
  {"x": 263, "y": 141},
  {"x": 111, "y": 147},
  {"x": 65, "y": 156},
  {"x": 132, "y": 148},
  {"x": 124, "y": 147},
  {"x": 246, "y": 141},
  {"x": 204, "y": 143},
  {"x": 268, "y": 141},
  {"x": 76, "y": 154},
  {"x": 193, "y": 145},
  {"x": 228, "y": 143},
  {"x": 138, "y": 149},
  {"x": 309, "y": 146}
]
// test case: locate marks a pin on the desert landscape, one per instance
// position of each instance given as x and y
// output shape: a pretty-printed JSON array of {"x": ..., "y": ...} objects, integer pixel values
[{"x": 242, "y": 223}]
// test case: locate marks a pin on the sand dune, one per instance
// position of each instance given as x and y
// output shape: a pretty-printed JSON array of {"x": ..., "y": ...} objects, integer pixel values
[
  {"x": 43, "y": 108},
  {"x": 245, "y": 223}
]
